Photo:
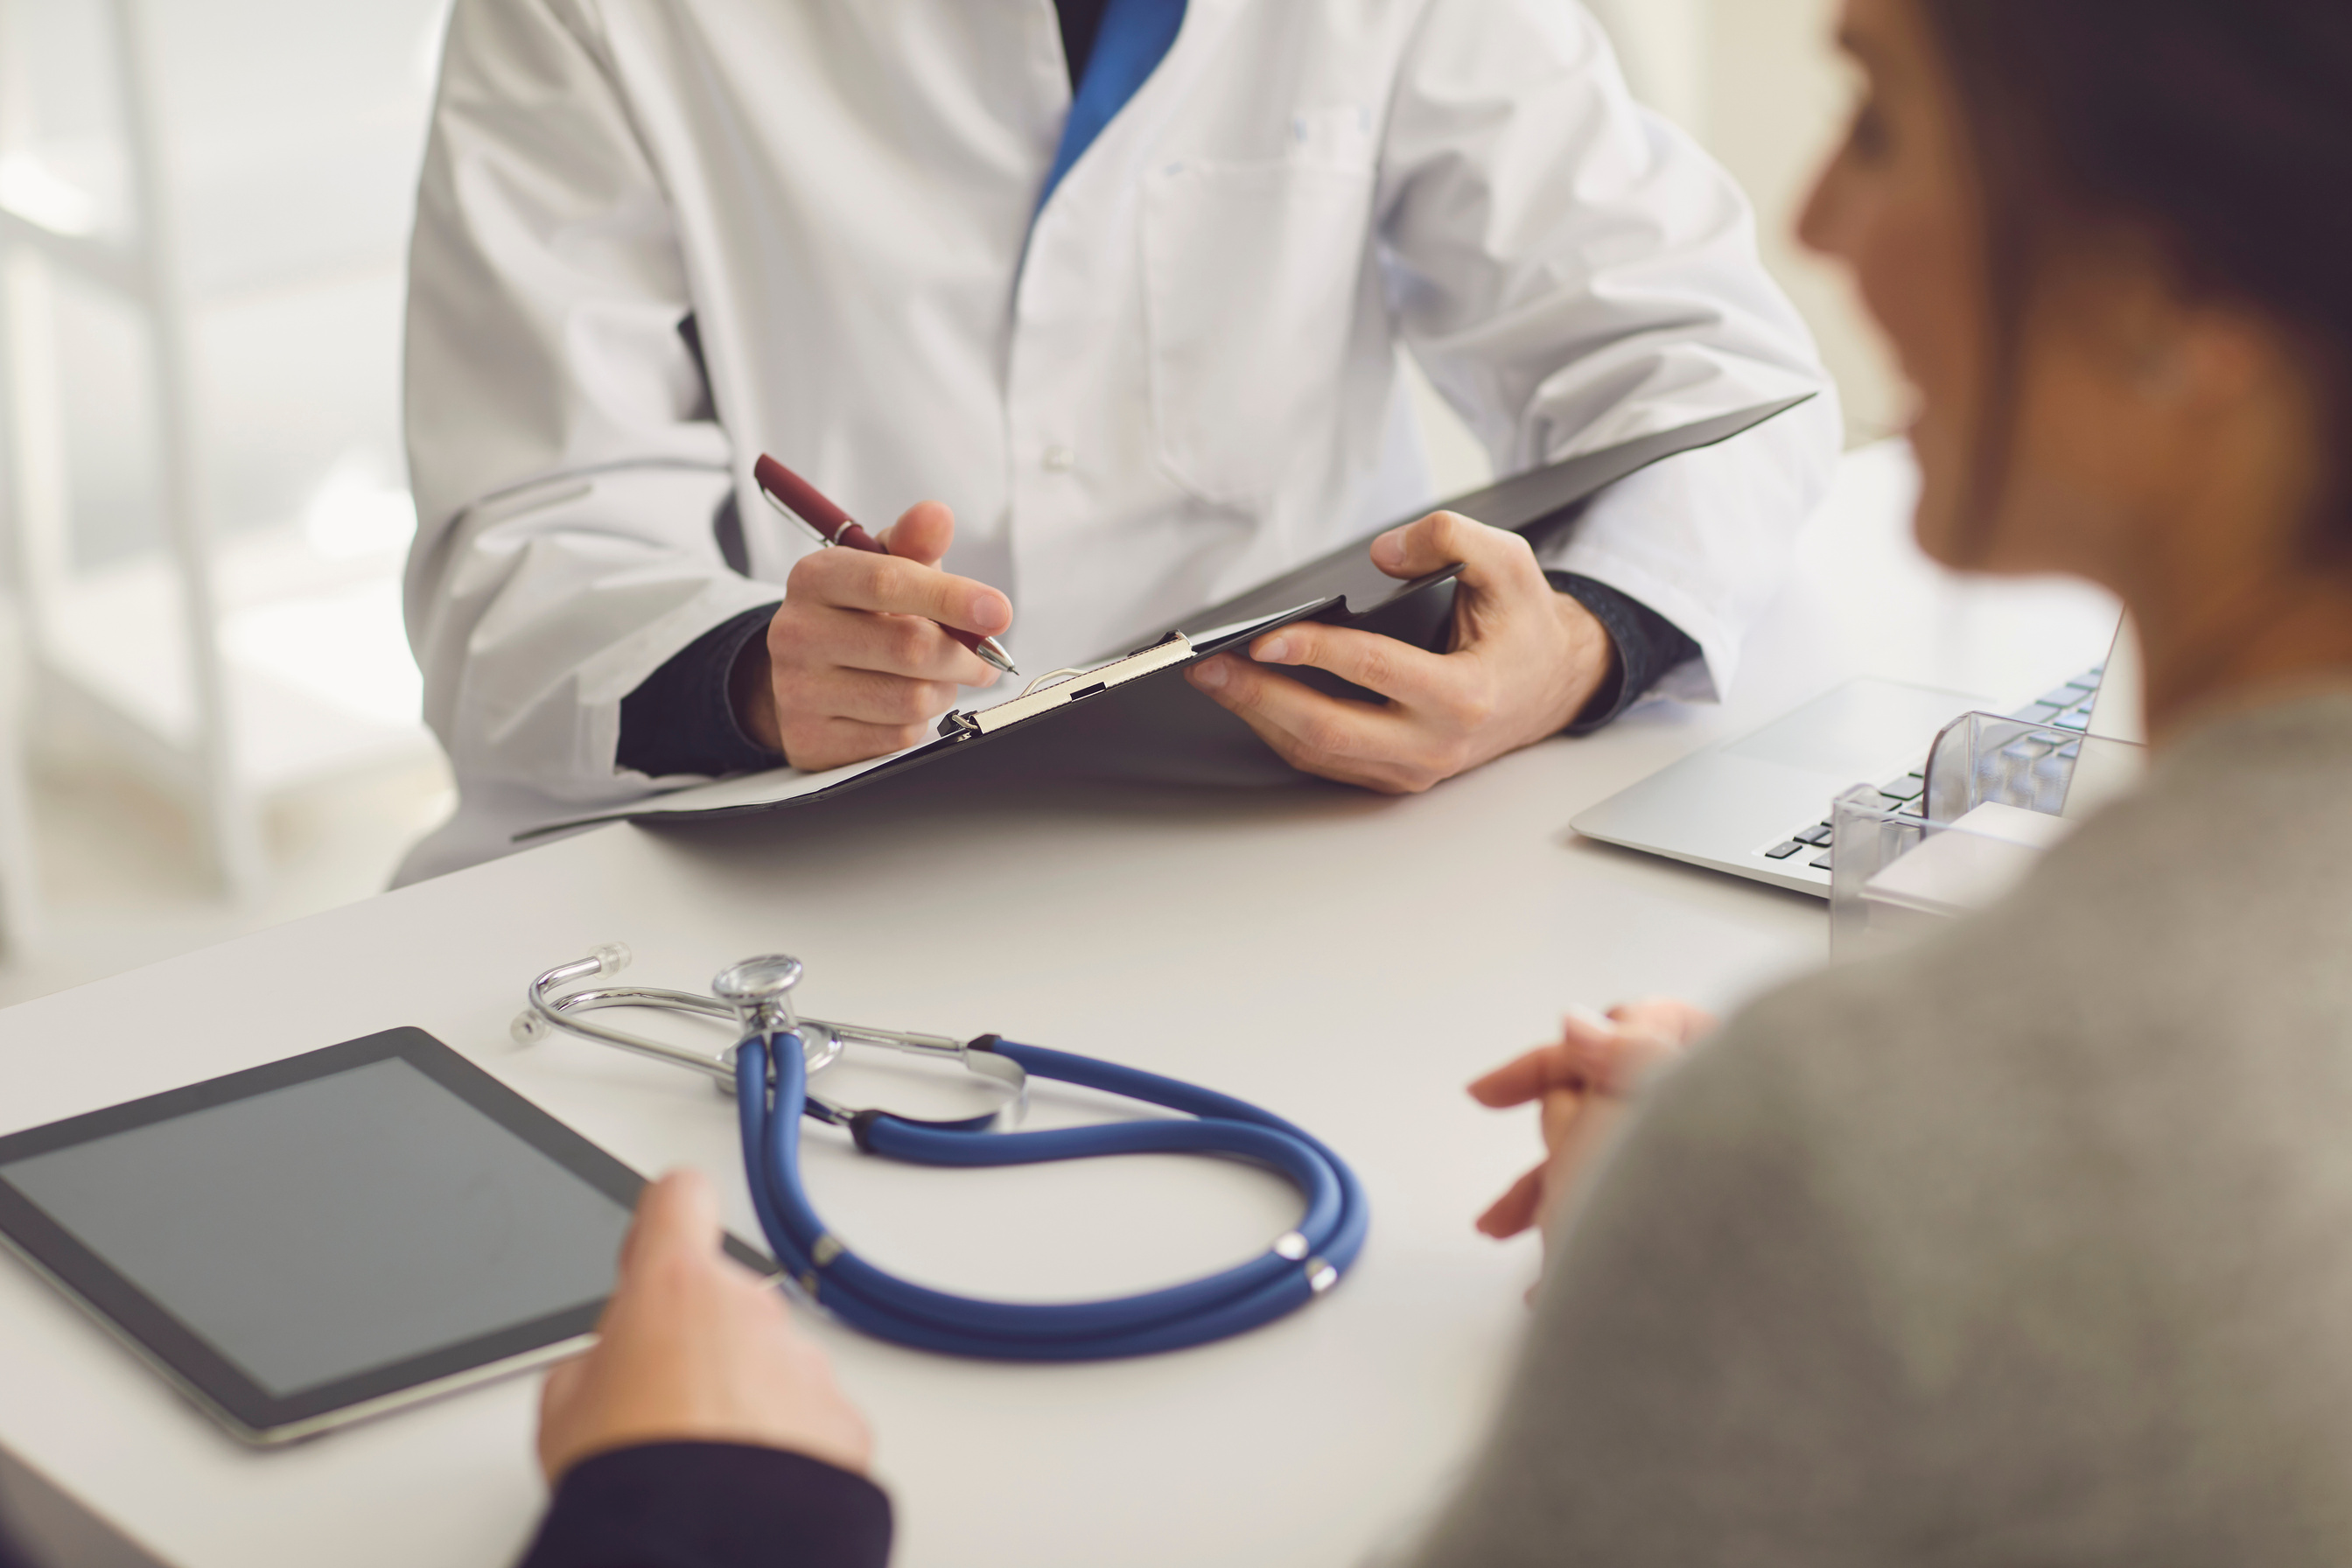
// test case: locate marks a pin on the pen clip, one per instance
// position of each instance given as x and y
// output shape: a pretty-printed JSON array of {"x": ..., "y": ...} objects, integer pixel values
[
  {"x": 1061, "y": 688},
  {"x": 800, "y": 500},
  {"x": 814, "y": 532}
]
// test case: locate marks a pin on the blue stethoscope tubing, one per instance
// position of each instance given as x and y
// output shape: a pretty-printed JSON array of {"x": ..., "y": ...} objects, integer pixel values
[{"x": 772, "y": 1087}]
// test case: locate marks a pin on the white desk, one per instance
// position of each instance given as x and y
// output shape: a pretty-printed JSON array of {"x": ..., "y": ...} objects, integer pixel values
[{"x": 1386, "y": 950}]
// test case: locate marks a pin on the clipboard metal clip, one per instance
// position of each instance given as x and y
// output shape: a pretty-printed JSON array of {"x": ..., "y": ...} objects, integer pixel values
[{"x": 1064, "y": 687}]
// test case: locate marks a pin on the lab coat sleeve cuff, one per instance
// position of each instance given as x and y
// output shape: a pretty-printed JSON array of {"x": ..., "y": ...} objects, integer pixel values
[
  {"x": 1648, "y": 646},
  {"x": 1706, "y": 539},
  {"x": 680, "y": 719},
  {"x": 711, "y": 1505}
]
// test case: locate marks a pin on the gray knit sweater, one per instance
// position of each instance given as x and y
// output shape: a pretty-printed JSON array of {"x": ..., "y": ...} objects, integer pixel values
[{"x": 2030, "y": 1246}]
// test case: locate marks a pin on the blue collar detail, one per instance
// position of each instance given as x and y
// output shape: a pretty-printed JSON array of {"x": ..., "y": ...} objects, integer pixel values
[{"x": 1135, "y": 36}]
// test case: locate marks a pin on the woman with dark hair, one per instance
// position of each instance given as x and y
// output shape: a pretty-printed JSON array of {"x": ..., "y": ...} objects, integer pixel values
[{"x": 2032, "y": 1244}]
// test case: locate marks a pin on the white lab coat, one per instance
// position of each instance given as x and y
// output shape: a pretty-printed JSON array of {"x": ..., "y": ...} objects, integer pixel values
[{"x": 1180, "y": 381}]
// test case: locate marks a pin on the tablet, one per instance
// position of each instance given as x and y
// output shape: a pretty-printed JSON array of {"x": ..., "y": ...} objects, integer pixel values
[{"x": 328, "y": 1237}]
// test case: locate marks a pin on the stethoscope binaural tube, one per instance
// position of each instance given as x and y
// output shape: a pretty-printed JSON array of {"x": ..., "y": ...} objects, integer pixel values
[{"x": 772, "y": 1088}]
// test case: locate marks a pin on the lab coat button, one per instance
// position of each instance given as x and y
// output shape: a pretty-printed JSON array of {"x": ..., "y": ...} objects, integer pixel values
[{"x": 1060, "y": 459}]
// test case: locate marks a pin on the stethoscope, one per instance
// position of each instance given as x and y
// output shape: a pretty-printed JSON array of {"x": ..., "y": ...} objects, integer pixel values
[{"x": 768, "y": 1070}]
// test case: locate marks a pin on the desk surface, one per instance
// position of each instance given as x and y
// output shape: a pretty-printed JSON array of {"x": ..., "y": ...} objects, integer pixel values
[{"x": 1382, "y": 953}]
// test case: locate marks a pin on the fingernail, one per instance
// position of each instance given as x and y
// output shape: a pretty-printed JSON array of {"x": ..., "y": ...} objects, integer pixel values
[
  {"x": 1274, "y": 650},
  {"x": 1388, "y": 550},
  {"x": 986, "y": 614},
  {"x": 1583, "y": 1025},
  {"x": 1209, "y": 676}
]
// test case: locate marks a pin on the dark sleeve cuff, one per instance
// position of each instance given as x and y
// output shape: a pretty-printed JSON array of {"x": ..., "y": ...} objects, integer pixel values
[
  {"x": 712, "y": 1504},
  {"x": 679, "y": 720},
  {"x": 1648, "y": 645}
]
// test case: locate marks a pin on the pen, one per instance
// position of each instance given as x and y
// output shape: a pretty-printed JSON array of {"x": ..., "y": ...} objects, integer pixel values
[{"x": 800, "y": 500}]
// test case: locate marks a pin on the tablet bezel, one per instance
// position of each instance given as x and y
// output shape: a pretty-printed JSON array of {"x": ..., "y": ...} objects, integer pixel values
[{"x": 218, "y": 1386}]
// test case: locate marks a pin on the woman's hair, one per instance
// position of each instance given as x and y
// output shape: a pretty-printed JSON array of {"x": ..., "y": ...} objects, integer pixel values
[{"x": 2218, "y": 130}]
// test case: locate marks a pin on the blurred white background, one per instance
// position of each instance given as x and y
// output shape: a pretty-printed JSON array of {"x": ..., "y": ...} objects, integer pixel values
[{"x": 234, "y": 180}]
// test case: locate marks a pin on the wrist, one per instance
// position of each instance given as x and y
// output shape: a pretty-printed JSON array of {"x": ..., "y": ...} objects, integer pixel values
[
  {"x": 1646, "y": 645},
  {"x": 1592, "y": 669},
  {"x": 681, "y": 719},
  {"x": 751, "y": 693}
]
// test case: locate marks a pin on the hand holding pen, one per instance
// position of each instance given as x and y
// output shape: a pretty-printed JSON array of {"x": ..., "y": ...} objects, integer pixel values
[
  {"x": 872, "y": 639},
  {"x": 828, "y": 524}
]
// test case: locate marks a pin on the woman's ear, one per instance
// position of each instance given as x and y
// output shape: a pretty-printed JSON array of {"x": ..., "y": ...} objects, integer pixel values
[
  {"x": 2189, "y": 354},
  {"x": 2222, "y": 355}
]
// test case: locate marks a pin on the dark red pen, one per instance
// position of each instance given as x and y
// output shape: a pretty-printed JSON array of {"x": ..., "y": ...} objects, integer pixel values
[{"x": 800, "y": 500}]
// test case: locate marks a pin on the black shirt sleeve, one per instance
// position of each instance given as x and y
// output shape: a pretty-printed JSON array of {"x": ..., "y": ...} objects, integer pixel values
[
  {"x": 712, "y": 1504},
  {"x": 679, "y": 720},
  {"x": 1648, "y": 645},
  {"x": 11, "y": 1555}
]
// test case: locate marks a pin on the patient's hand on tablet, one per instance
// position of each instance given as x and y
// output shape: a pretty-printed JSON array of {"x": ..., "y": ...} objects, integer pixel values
[
  {"x": 695, "y": 1348},
  {"x": 1582, "y": 1086}
]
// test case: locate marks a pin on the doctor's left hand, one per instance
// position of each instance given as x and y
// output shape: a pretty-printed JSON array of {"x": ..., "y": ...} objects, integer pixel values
[{"x": 1525, "y": 660}]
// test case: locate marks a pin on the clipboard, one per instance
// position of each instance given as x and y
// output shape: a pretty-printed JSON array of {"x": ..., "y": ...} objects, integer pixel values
[{"x": 1130, "y": 714}]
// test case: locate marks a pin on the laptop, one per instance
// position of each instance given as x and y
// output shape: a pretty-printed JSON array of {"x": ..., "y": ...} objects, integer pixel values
[{"x": 1758, "y": 806}]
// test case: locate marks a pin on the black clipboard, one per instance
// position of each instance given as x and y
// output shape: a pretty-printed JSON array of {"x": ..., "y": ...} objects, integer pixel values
[{"x": 1154, "y": 726}]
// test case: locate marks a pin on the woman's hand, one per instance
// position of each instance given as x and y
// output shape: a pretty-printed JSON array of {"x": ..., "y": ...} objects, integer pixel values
[
  {"x": 695, "y": 1348},
  {"x": 1581, "y": 1086}
]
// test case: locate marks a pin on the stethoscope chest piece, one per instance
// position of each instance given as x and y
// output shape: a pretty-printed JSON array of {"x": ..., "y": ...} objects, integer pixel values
[
  {"x": 768, "y": 1071},
  {"x": 761, "y": 990}
]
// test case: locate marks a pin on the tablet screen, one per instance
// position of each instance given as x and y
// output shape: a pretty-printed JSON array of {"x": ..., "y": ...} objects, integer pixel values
[
  {"x": 329, "y": 1236},
  {"x": 329, "y": 1228}
]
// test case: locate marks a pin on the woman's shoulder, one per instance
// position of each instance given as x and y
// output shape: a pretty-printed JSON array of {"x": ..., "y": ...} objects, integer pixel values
[
  {"x": 2223, "y": 883},
  {"x": 2173, "y": 977}
]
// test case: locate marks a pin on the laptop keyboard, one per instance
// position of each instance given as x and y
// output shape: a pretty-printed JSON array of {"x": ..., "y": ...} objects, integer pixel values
[{"x": 2067, "y": 707}]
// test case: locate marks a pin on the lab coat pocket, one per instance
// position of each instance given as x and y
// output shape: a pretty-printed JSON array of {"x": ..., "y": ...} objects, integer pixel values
[{"x": 1251, "y": 281}]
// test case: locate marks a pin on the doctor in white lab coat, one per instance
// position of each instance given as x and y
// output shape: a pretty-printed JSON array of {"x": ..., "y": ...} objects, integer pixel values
[{"x": 1134, "y": 345}]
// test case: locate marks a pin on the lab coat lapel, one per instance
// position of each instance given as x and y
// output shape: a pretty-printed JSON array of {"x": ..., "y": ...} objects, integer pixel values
[{"x": 1124, "y": 145}]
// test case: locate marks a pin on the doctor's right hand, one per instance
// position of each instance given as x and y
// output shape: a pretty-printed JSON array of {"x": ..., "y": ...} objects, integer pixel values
[
  {"x": 695, "y": 1348},
  {"x": 854, "y": 664}
]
